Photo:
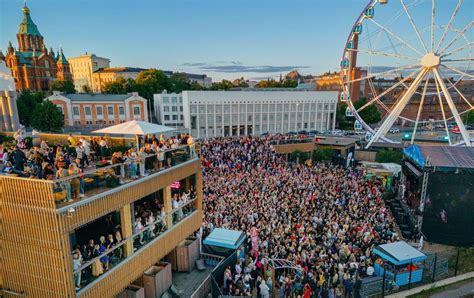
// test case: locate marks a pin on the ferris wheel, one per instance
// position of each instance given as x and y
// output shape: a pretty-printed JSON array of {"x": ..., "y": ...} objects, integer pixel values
[{"x": 413, "y": 61}]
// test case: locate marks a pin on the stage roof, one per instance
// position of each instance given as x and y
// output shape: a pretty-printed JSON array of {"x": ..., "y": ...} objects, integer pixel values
[
  {"x": 225, "y": 238},
  {"x": 441, "y": 157}
]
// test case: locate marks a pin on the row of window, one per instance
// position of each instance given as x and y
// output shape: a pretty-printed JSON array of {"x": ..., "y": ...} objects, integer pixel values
[
  {"x": 234, "y": 108},
  {"x": 265, "y": 118},
  {"x": 173, "y": 108},
  {"x": 172, "y": 99},
  {"x": 175, "y": 117},
  {"x": 99, "y": 110}
]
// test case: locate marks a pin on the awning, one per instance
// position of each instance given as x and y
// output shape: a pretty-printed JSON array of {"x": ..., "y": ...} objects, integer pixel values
[
  {"x": 135, "y": 127},
  {"x": 399, "y": 253}
]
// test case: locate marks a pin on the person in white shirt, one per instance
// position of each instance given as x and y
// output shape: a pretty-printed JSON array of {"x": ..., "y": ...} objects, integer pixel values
[{"x": 264, "y": 289}]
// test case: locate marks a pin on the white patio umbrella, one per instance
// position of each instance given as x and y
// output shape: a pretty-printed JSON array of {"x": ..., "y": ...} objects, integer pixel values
[{"x": 136, "y": 128}]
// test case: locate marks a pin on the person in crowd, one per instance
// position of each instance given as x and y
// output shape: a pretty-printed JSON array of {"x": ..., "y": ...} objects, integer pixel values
[
  {"x": 322, "y": 218},
  {"x": 76, "y": 264}
]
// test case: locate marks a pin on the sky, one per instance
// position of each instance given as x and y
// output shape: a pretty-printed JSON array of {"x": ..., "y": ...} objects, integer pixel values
[{"x": 224, "y": 39}]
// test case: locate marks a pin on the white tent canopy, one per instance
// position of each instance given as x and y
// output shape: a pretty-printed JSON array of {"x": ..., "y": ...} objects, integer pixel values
[{"x": 135, "y": 127}]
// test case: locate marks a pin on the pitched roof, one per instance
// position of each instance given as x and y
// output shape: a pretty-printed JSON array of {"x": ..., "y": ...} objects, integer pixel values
[
  {"x": 62, "y": 59},
  {"x": 119, "y": 69},
  {"x": 27, "y": 25},
  {"x": 97, "y": 97}
]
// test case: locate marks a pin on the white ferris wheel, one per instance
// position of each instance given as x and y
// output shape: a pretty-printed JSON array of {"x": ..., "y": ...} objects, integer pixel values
[{"x": 413, "y": 60}]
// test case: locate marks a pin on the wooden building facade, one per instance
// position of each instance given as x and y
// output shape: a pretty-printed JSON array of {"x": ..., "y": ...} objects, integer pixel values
[{"x": 35, "y": 247}]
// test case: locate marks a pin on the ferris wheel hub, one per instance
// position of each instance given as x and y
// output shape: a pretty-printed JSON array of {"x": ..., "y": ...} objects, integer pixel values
[{"x": 430, "y": 60}]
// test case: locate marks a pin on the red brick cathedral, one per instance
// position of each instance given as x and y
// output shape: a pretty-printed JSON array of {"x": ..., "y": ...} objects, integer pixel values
[{"x": 33, "y": 66}]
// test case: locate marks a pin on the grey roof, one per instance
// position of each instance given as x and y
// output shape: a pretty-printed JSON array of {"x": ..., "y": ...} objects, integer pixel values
[
  {"x": 336, "y": 141},
  {"x": 97, "y": 97},
  {"x": 449, "y": 157}
]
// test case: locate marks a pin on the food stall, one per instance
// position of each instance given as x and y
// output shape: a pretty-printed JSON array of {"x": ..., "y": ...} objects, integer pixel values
[{"x": 400, "y": 261}]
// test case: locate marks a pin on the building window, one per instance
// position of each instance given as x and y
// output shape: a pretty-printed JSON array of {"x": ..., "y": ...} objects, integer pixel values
[
  {"x": 181, "y": 109},
  {"x": 167, "y": 117},
  {"x": 87, "y": 111},
  {"x": 61, "y": 109},
  {"x": 121, "y": 111},
  {"x": 99, "y": 111},
  {"x": 110, "y": 110},
  {"x": 174, "y": 109},
  {"x": 174, "y": 100},
  {"x": 75, "y": 111},
  {"x": 175, "y": 117},
  {"x": 136, "y": 110},
  {"x": 182, "y": 117},
  {"x": 166, "y": 109},
  {"x": 166, "y": 100}
]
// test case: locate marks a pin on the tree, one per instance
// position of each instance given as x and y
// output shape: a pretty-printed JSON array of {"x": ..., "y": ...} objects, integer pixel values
[
  {"x": 27, "y": 102},
  {"x": 86, "y": 89},
  {"x": 179, "y": 82},
  {"x": 63, "y": 86},
  {"x": 468, "y": 118},
  {"x": 343, "y": 122},
  {"x": 370, "y": 114},
  {"x": 224, "y": 85},
  {"x": 47, "y": 117},
  {"x": 152, "y": 81},
  {"x": 115, "y": 87}
]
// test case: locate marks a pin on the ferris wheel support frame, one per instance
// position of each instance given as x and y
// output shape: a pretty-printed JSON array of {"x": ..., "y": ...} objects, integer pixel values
[{"x": 392, "y": 117}]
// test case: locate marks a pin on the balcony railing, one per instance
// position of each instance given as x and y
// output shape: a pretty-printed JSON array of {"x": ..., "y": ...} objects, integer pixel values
[
  {"x": 106, "y": 176},
  {"x": 95, "y": 268}
]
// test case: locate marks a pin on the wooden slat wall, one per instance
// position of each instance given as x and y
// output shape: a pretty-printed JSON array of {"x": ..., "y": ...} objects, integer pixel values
[
  {"x": 109, "y": 203},
  {"x": 35, "y": 256},
  {"x": 289, "y": 148},
  {"x": 32, "y": 248},
  {"x": 126, "y": 273}
]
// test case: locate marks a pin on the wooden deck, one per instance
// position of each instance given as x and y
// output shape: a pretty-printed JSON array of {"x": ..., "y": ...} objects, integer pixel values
[{"x": 189, "y": 282}]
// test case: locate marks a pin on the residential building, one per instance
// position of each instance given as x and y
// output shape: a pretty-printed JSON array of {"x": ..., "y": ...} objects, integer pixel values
[
  {"x": 201, "y": 79},
  {"x": 41, "y": 232},
  {"x": 9, "y": 120},
  {"x": 83, "y": 67},
  {"x": 106, "y": 75},
  {"x": 34, "y": 67},
  {"x": 169, "y": 109},
  {"x": 249, "y": 112},
  {"x": 92, "y": 110}
]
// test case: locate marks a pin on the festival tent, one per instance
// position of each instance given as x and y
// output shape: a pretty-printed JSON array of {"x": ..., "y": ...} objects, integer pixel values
[{"x": 136, "y": 128}]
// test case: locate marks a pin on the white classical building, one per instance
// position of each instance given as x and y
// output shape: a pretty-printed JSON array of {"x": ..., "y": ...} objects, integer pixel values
[
  {"x": 9, "y": 120},
  {"x": 235, "y": 113}
]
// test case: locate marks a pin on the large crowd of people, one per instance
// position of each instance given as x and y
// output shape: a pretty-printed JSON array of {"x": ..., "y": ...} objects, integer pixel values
[{"x": 322, "y": 218}]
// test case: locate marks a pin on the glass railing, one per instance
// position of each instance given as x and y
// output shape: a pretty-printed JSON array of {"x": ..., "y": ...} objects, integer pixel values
[
  {"x": 105, "y": 259},
  {"x": 72, "y": 187},
  {"x": 292, "y": 141}
]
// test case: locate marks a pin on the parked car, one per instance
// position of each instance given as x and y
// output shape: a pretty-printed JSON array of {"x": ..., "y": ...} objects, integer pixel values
[{"x": 394, "y": 130}]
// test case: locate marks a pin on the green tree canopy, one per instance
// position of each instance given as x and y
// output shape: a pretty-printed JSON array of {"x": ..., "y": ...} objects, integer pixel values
[
  {"x": 47, "y": 117},
  {"x": 468, "y": 118},
  {"x": 63, "y": 86},
  {"x": 389, "y": 156},
  {"x": 179, "y": 82},
  {"x": 370, "y": 114},
  {"x": 224, "y": 85},
  {"x": 27, "y": 102},
  {"x": 276, "y": 84},
  {"x": 152, "y": 81},
  {"x": 86, "y": 89}
]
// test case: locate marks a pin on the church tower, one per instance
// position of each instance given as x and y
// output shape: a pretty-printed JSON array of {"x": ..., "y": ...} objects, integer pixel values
[
  {"x": 63, "y": 70},
  {"x": 32, "y": 65}
]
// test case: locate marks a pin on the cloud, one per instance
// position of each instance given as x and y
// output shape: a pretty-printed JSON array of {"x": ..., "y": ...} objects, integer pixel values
[{"x": 238, "y": 67}]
